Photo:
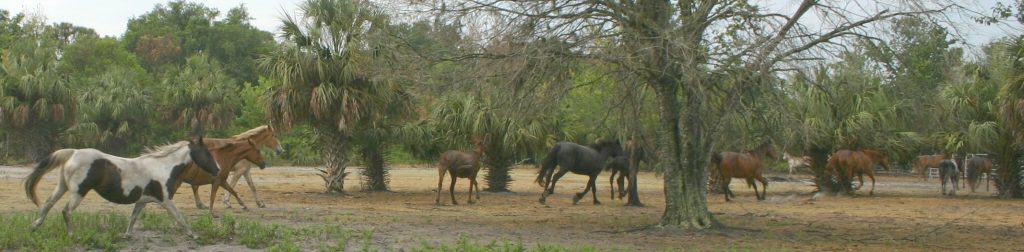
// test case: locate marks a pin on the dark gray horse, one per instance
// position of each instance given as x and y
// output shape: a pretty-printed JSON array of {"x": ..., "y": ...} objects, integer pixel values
[
  {"x": 578, "y": 159},
  {"x": 949, "y": 172}
]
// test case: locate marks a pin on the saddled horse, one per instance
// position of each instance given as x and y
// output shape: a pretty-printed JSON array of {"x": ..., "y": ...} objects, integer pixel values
[
  {"x": 227, "y": 155},
  {"x": 976, "y": 166},
  {"x": 848, "y": 163},
  {"x": 923, "y": 162},
  {"x": 949, "y": 172},
  {"x": 578, "y": 159},
  {"x": 152, "y": 177},
  {"x": 263, "y": 136},
  {"x": 747, "y": 165}
]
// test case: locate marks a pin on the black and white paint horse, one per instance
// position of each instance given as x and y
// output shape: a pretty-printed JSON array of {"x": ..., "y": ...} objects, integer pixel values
[
  {"x": 949, "y": 172},
  {"x": 578, "y": 159},
  {"x": 149, "y": 178}
]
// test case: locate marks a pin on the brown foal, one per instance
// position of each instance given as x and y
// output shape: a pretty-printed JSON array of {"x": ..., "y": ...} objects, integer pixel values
[
  {"x": 227, "y": 155},
  {"x": 460, "y": 165}
]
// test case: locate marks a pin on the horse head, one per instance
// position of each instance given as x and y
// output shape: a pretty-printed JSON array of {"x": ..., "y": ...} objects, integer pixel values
[
  {"x": 252, "y": 154},
  {"x": 270, "y": 140},
  {"x": 609, "y": 148},
  {"x": 766, "y": 150},
  {"x": 200, "y": 155},
  {"x": 879, "y": 157}
]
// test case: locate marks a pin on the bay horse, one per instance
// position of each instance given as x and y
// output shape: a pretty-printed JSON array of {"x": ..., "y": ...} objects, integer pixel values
[
  {"x": 152, "y": 177},
  {"x": 923, "y": 162},
  {"x": 948, "y": 171},
  {"x": 227, "y": 154},
  {"x": 849, "y": 163},
  {"x": 264, "y": 136},
  {"x": 975, "y": 166},
  {"x": 794, "y": 162},
  {"x": 460, "y": 164},
  {"x": 747, "y": 165},
  {"x": 578, "y": 159}
]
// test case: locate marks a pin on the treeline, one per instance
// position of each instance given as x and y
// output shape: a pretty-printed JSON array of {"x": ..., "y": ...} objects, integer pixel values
[{"x": 372, "y": 90}]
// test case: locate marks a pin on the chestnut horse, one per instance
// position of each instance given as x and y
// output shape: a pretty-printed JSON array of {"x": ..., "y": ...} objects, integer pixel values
[
  {"x": 747, "y": 165},
  {"x": 460, "y": 164},
  {"x": 227, "y": 154},
  {"x": 263, "y": 136},
  {"x": 848, "y": 163},
  {"x": 977, "y": 165},
  {"x": 924, "y": 162}
]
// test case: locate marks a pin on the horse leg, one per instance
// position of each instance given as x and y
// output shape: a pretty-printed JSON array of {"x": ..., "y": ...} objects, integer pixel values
[
  {"x": 622, "y": 184},
  {"x": 764, "y": 187},
  {"x": 252, "y": 187},
  {"x": 593, "y": 186},
  {"x": 576, "y": 199},
  {"x": 231, "y": 190},
  {"x": 76, "y": 198},
  {"x": 135, "y": 216},
  {"x": 470, "y": 196},
  {"x": 171, "y": 209},
  {"x": 725, "y": 188},
  {"x": 477, "y": 186},
  {"x": 871, "y": 174},
  {"x": 549, "y": 187},
  {"x": 440, "y": 182},
  {"x": 611, "y": 184},
  {"x": 195, "y": 196},
  {"x": 451, "y": 188},
  {"x": 57, "y": 193},
  {"x": 239, "y": 172}
]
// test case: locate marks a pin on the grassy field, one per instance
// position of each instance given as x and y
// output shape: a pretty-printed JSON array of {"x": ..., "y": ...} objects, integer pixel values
[{"x": 904, "y": 214}]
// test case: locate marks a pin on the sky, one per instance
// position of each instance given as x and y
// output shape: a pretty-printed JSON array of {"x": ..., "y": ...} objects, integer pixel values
[{"x": 110, "y": 17}]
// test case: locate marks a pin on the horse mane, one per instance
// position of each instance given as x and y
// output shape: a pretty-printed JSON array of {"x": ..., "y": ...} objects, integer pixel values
[
  {"x": 164, "y": 150},
  {"x": 599, "y": 145},
  {"x": 252, "y": 132}
]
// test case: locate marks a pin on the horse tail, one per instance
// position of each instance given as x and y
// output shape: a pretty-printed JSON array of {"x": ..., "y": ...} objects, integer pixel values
[
  {"x": 55, "y": 159},
  {"x": 548, "y": 165}
]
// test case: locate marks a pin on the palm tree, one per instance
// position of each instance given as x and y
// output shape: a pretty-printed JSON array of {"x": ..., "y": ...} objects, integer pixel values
[
  {"x": 1010, "y": 176},
  {"x": 843, "y": 106},
  {"x": 36, "y": 103},
  {"x": 509, "y": 135},
  {"x": 325, "y": 70},
  {"x": 116, "y": 112}
]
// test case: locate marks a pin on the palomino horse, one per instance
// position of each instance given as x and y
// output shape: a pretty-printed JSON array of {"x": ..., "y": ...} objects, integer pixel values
[
  {"x": 975, "y": 166},
  {"x": 795, "y": 162},
  {"x": 578, "y": 159},
  {"x": 948, "y": 171},
  {"x": 848, "y": 163},
  {"x": 262, "y": 136},
  {"x": 460, "y": 165},
  {"x": 151, "y": 177},
  {"x": 227, "y": 155},
  {"x": 924, "y": 162},
  {"x": 747, "y": 165}
]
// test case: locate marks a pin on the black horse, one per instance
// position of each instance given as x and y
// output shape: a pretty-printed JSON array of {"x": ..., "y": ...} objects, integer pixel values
[
  {"x": 578, "y": 159},
  {"x": 620, "y": 166},
  {"x": 949, "y": 172}
]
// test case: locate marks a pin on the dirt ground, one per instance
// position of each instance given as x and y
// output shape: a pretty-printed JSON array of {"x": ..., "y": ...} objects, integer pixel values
[{"x": 904, "y": 214}]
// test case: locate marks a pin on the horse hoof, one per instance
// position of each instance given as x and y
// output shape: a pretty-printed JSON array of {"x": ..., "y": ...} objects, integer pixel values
[
  {"x": 542, "y": 201},
  {"x": 261, "y": 204},
  {"x": 455, "y": 203},
  {"x": 575, "y": 200},
  {"x": 204, "y": 207},
  {"x": 597, "y": 202}
]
